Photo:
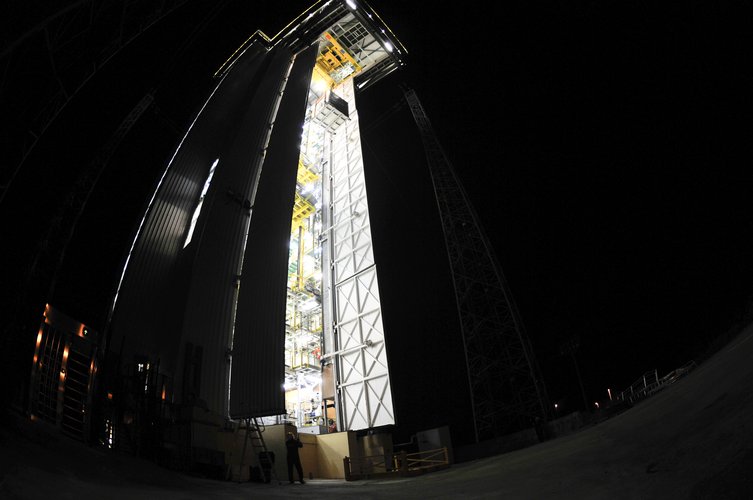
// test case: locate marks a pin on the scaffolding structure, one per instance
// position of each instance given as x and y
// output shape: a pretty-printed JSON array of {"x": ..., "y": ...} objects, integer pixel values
[
  {"x": 506, "y": 388},
  {"x": 303, "y": 323}
]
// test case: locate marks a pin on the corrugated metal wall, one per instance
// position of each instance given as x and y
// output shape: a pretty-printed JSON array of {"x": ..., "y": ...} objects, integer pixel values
[
  {"x": 208, "y": 317},
  {"x": 258, "y": 349},
  {"x": 149, "y": 312}
]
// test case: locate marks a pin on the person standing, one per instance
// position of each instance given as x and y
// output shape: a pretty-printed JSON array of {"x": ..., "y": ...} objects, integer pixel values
[{"x": 292, "y": 443}]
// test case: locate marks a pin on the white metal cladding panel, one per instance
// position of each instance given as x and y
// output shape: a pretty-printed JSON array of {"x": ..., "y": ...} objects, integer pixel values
[
  {"x": 364, "y": 379},
  {"x": 150, "y": 296},
  {"x": 363, "y": 375},
  {"x": 258, "y": 367},
  {"x": 220, "y": 235},
  {"x": 359, "y": 311}
]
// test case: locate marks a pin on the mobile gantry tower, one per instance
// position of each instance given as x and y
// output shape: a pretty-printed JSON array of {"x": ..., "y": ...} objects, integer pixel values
[{"x": 253, "y": 267}]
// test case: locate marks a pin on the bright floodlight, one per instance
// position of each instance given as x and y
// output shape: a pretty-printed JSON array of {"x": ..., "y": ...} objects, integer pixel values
[
  {"x": 319, "y": 85},
  {"x": 351, "y": 4}
]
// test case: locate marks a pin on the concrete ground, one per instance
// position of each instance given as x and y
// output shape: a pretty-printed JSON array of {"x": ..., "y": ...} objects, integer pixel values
[{"x": 692, "y": 440}]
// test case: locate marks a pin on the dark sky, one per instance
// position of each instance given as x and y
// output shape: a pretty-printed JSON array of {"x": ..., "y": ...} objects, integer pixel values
[{"x": 603, "y": 145}]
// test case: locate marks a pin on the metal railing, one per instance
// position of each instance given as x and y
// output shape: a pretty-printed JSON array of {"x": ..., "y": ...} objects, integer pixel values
[
  {"x": 641, "y": 388},
  {"x": 400, "y": 464},
  {"x": 426, "y": 459},
  {"x": 650, "y": 383},
  {"x": 678, "y": 373}
]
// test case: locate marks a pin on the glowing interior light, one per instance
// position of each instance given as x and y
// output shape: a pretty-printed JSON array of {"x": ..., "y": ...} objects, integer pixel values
[
  {"x": 197, "y": 211},
  {"x": 388, "y": 46},
  {"x": 319, "y": 86},
  {"x": 351, "y": 4},
  {"x": 108, "y": 433}
]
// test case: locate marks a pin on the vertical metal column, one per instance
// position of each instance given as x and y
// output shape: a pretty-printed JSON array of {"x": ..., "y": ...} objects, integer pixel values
[
  {"x": 363, "y": 390},
  {"x": 505, "y": 385}
]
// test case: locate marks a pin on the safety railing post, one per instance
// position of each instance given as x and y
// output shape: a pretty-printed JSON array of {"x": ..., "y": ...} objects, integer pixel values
[
  {"x": 346, "y": 468},
  {"x": 403, "y": 463}
]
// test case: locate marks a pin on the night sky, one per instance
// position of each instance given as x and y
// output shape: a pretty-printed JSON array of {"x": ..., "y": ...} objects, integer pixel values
[{"x": 603, "y": 144}]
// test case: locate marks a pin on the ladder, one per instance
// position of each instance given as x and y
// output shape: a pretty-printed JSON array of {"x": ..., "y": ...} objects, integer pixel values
[{"x": 254, "y": 432}]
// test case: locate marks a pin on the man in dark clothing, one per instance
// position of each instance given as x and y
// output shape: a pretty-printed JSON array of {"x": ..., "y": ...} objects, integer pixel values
[{"x": 292, "y": 444}]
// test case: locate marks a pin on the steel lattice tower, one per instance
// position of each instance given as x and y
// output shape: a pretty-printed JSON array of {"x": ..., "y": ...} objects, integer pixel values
[{"x": 505, "y": 385}]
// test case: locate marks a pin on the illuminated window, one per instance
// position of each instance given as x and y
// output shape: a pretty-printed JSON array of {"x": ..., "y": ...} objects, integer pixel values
[
  {"x": 197, "y": 211},
  {"x": 108, "y": 433}
]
